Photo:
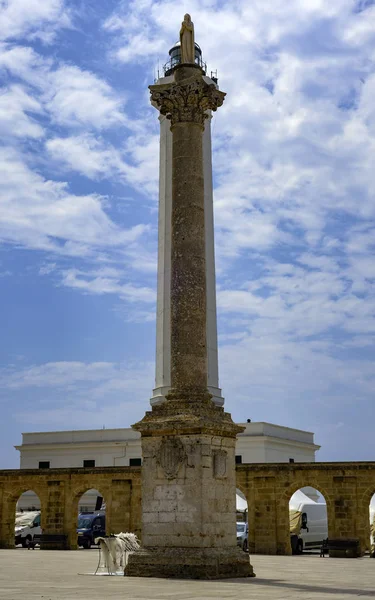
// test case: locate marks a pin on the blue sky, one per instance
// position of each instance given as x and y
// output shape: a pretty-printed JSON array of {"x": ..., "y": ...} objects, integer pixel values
[{"x": 294, "y": 212}]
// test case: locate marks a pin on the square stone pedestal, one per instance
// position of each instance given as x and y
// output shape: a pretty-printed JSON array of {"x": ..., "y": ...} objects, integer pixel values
[{"x": 189, "y": 495}]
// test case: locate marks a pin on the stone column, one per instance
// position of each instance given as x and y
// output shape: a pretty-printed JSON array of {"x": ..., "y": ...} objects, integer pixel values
[
  {"x": 188, "y": 442},
  {"x": 52, "y": 517},
  {"x": 188, "y": 266},
  {"x": 163, "y": 347}
]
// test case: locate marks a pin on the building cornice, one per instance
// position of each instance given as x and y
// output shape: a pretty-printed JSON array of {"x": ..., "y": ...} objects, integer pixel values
[
  {"x": 241, "y": 440},
  {"x": 272, "y": 425},
  {"x": 76, "y": 445},
  {"x": 277, "y": 440}
]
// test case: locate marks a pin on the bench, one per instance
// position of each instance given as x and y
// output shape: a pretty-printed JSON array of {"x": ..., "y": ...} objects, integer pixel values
[
  {"x": 53, "y": 541},
  {"x": 344, "y": 548}
]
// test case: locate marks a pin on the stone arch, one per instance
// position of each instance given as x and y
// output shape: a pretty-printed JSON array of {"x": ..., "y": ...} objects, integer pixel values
[
  {"x": 31, "y": 512},
  {"x": 364, "y": 517},
  {"x": 294, "y": 487},
  {"x": 283, "y": 524},
  {"x": 8, "y": 509},
  {"x": 366, "y": 497},
  {"x": 88, "y": 501}
]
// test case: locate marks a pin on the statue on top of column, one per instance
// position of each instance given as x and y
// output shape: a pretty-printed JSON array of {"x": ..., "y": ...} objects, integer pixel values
[{"x": 187, "y": 40}]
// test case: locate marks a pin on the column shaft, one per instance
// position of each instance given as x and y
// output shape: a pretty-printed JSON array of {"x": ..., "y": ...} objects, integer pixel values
[{"x": 188, "y": 266}]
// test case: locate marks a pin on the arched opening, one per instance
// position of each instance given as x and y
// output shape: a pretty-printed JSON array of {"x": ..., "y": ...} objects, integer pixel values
[
  {"x": 308, "y": 521},
  {"x": 91, "y": 501},
  {"x": 241, "y": 506},
  {"x": 91, "y": 520},
  {"x": 372, "y": 526},
  {"x": 242, "y": 525},
  {"x": 27, "y": 526}
]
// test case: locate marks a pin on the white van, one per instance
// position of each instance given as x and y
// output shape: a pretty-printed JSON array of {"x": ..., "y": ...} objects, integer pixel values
[
  {"x": 309, "y": 523},
  {"x": 26, "y": 527}
]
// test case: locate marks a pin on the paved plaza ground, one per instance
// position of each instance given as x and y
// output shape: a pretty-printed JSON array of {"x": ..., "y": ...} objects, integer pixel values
[{"x": 50, "y": 575}]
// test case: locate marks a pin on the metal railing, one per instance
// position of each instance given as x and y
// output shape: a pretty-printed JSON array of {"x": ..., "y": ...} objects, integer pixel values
[{"x": 173, "y": 62}]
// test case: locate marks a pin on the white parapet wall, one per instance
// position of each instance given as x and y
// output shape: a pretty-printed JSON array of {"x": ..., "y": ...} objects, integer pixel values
[{"x": 259, "y": 443}]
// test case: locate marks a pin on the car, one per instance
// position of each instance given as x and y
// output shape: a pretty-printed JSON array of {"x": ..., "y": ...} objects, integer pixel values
[
  {"x": 90, "y": 527},
  {"x": 242, "y": 535}
]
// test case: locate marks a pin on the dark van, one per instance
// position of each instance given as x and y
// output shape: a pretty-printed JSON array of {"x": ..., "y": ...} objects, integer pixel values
[{"x": 90, "y": 526}]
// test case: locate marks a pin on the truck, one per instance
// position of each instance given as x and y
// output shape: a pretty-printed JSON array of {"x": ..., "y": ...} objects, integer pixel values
[
  {"x": 27, "y": 526},
  {"x": 308, "y": 523}
]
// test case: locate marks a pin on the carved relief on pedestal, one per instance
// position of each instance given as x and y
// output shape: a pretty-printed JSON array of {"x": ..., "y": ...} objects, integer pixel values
[
  {"x": 187, "y": 103},
  {"x": 170, "y": 457},
  {"x": 220, "y": 464}
]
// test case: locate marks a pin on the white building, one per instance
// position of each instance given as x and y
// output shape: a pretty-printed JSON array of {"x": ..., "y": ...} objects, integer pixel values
[{"x": 259, "y": 443}]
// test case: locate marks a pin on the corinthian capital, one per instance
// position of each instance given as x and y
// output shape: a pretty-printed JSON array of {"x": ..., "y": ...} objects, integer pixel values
[{"x": 186, "y": 102}]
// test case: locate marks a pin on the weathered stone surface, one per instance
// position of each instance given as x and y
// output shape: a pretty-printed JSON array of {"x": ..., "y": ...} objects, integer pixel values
[
  {"x": 188, "y": 413},
  {"x": 266, "y": 487},
  {"x": 59, "y": 491},
  {"x": 346, "y": 487},
  {"x": 190, "y": 563},
  {"x": 171, "y": 454},
  {"x": 187, "y": 99},
  {"x": 198, "y": 506}
]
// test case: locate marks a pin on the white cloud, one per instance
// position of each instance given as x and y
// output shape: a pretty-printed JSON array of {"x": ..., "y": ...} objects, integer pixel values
[
  {"x": 33, "y": 19},
  {"x": 72, "y": 96},
  {"x": 138, "y": 46},
  {"x": 58, "y": 374},
  {"x": 296, "y": 302},
  {"x": 85, "y": 154},
  {"x": 22, "y": 62},
  {"x": 107, "y": 282},
  {"x": 91, "y": 393},
  {"x": 78, "y": 97},
  {"x": 136, "y": 163},
  {"x": 15, "y": 118},
  {"x": 41, "y": 213},
  {"x": 361, "y": 27},
  {"x": 137, "y": 41},
  {"x": 278, "y": 144},
  {"x": 276, "y": 372},
  {"x": 47, "y": 268},
  {"x": 293, "y": 148}
]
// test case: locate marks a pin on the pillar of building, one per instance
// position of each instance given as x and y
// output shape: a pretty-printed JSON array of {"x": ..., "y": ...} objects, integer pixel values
[
  {"x": 188, "y": 442},
  {"x": 52, "y": 517},
  {"x": 163, "y": 332}
]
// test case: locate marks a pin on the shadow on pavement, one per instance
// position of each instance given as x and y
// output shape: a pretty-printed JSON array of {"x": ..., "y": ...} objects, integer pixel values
[{"x": 303, "y": 587}]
